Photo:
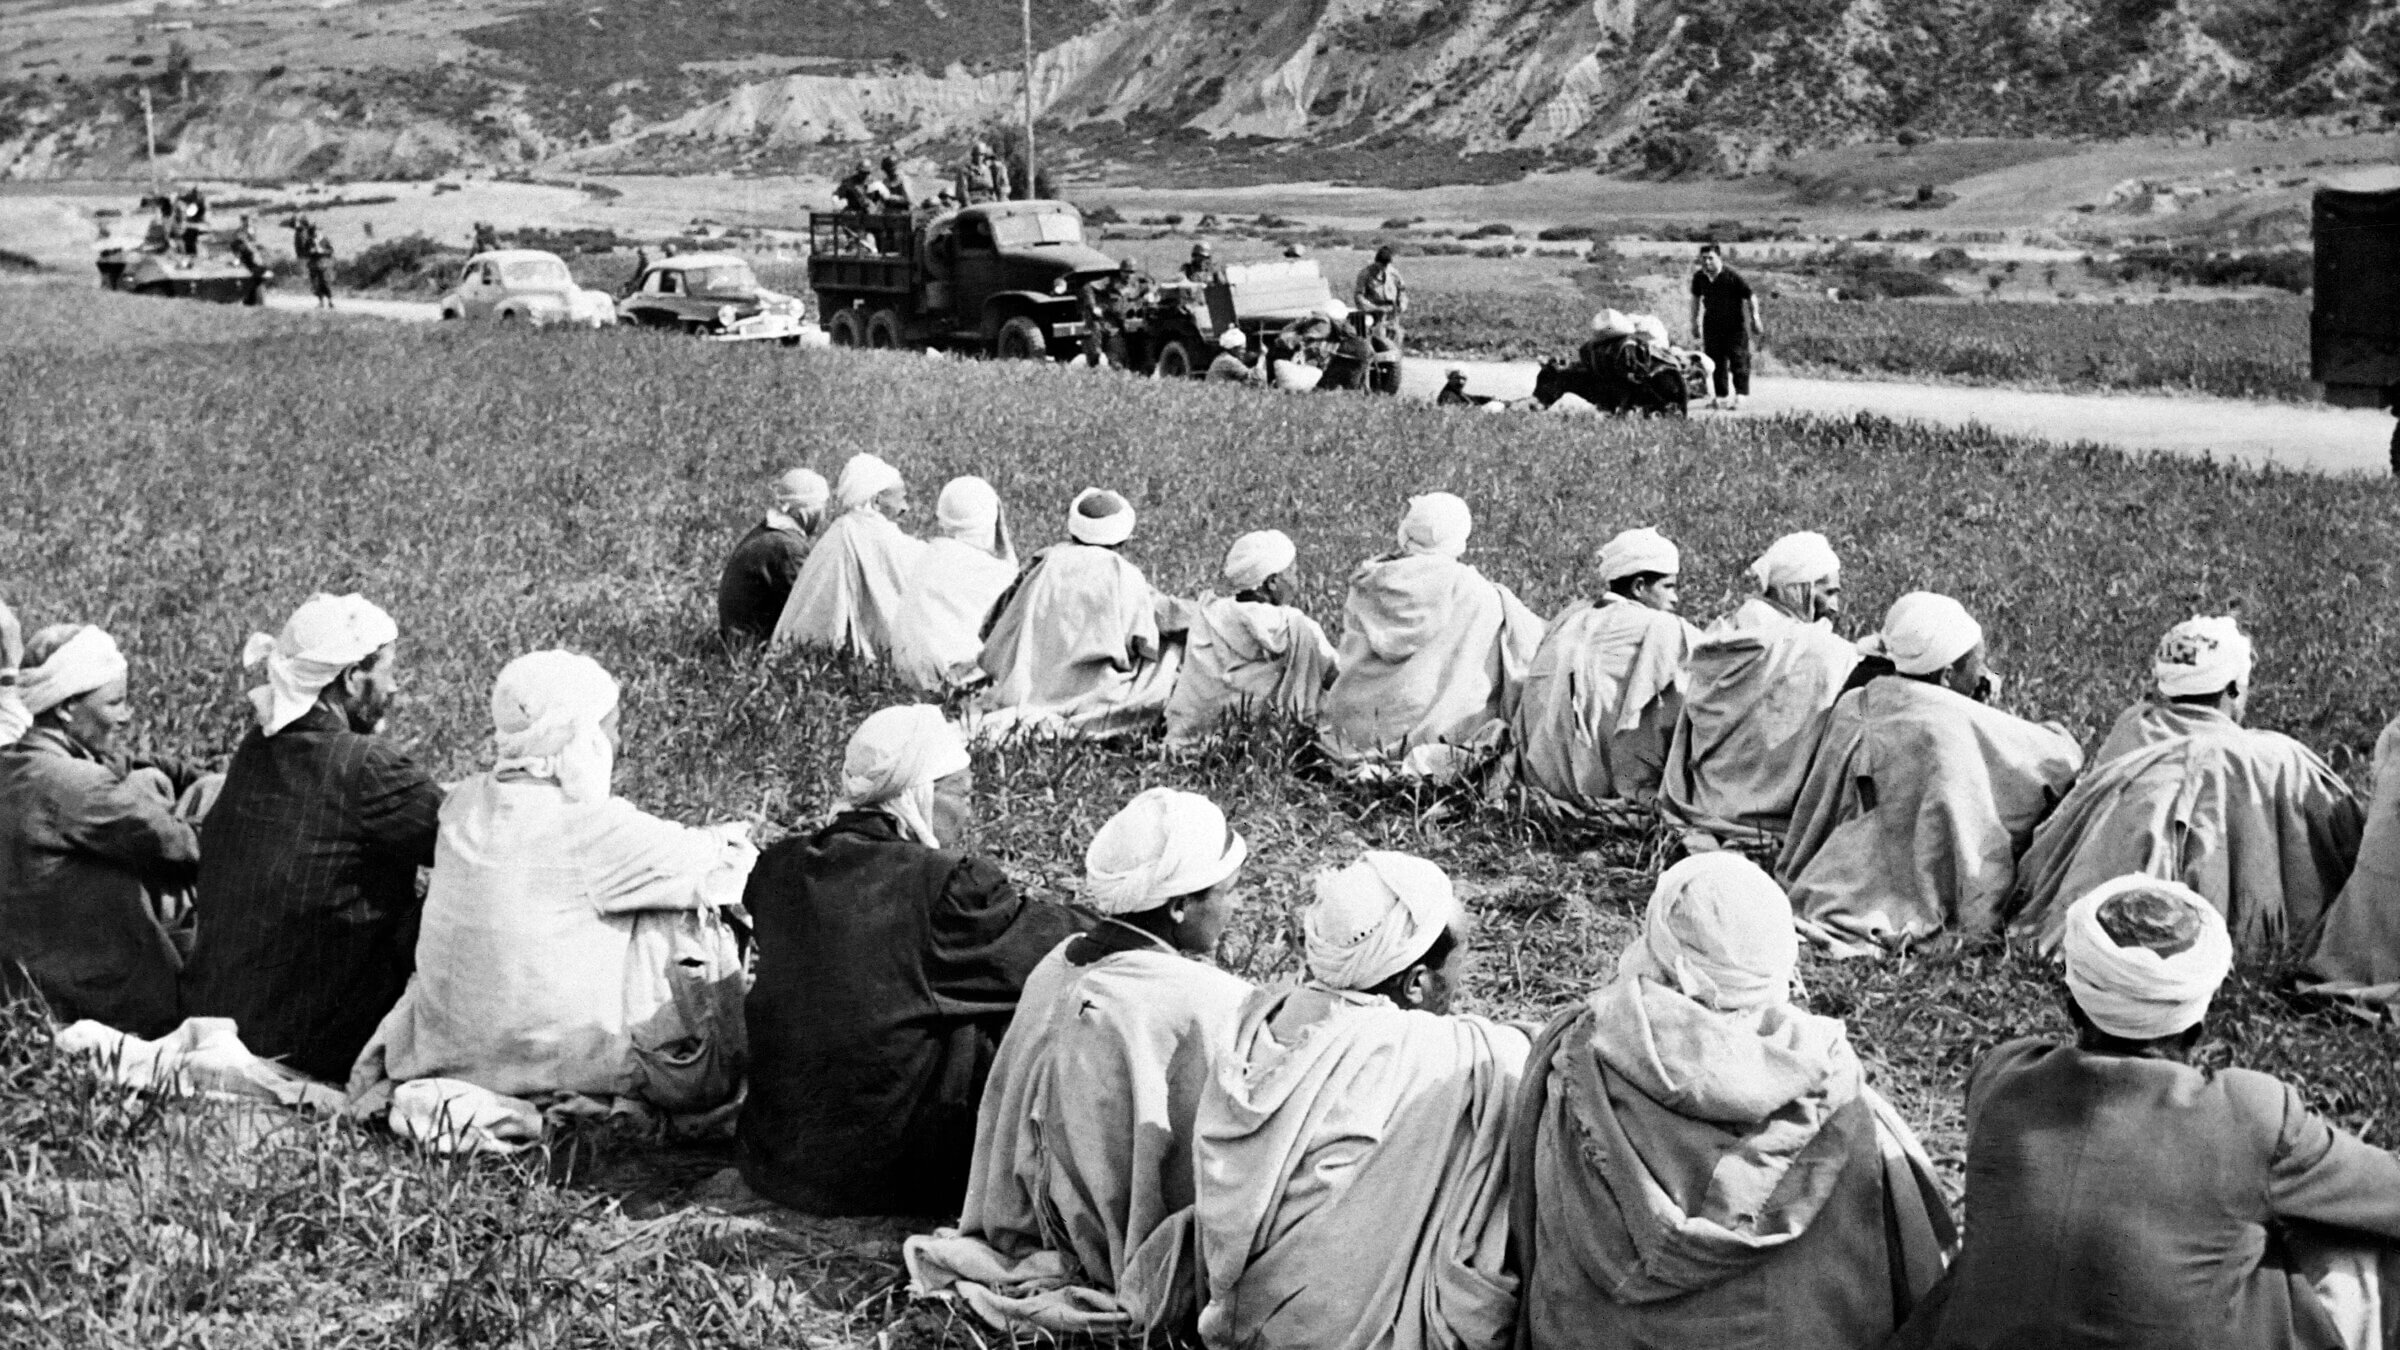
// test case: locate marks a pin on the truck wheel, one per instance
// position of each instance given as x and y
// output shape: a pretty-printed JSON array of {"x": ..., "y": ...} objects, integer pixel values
[
  {"x": 1022, "y": 339},
  {"x": 883, "y": 330},
  {"x": 1174, "y": 362},
  {"x": 843, "y": 328}
]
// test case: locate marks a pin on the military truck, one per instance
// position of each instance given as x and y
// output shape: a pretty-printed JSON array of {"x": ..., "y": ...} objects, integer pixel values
[
  {"x": 1001, "y": 277},
  {"x": 2354, "y": 326}
]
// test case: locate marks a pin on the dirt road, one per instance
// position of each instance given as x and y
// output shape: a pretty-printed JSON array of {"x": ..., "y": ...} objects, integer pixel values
[{"x": 2313, "y": 439}]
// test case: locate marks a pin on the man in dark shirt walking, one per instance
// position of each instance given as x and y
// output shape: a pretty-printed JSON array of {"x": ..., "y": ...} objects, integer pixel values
[
  {"x": 1725, "y": 315},
  {"x": 308, "y": 898},
  {"x": 759, "y": 573}
]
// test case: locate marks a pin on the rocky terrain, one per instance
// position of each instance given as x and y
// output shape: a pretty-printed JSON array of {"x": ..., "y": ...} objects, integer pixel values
[{"x": 1364, "y": 90}]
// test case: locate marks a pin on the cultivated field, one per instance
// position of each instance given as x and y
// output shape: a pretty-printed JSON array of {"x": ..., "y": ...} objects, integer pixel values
[{"x": 500, "y": 491}]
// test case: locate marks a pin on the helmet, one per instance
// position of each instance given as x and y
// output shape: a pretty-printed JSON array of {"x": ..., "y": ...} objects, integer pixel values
[
  {"x": 1125, "y": 267},
  {"x": 1202, "y": 250},
  {"x": 890, "y": 162},
  {"x": 1384, "y": 254},
  {"x": 981, "y": 148},
  {"x": 1295, "y": 250}
]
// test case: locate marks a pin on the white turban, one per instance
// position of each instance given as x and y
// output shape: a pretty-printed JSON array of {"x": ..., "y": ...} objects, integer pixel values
[
  {"x": 1436, "y": 523},
  {"x": 1612, "y": 323},
  {"x": 2202, "y": 656},
  {"x": 1923, "y": 633},
  {"x": 864, "y": 479},
  {"x": 1113, "y": 524},
  {"x": 323, "y": 638},
  {"x": 2135, "y": 992},
  {"x": 546, "y": 713},
  {"x": 969, "y": 510},
  {"x": 1256, "y": 556},
  {"x": 1651, "y": 328},
  {"x": 1796, "y": 560},
  {"x": 1636, "y": 551},
  {"x": 1720, "y": 930},
  {"x": 1164, "y": 845},
  {"x": 1376, "y": 918},
  {"x": 80, "y": 665},
  {"x": 1233, "y": 340},
  {"x": 801, "y": 491},
  {"x": 893, "y": 761}
]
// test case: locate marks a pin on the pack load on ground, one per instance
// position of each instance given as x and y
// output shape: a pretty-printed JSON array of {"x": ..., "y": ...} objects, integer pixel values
[{"x": 1628, "y": 365}]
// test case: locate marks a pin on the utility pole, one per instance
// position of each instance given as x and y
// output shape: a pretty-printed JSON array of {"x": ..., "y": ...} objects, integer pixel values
[
  {"x": 1025, "y": 14},
  {"x": 150, "y": 131}
]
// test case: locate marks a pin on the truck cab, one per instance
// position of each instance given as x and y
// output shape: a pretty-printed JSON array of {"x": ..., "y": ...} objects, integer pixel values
[{"x": 1001, "y": 277}]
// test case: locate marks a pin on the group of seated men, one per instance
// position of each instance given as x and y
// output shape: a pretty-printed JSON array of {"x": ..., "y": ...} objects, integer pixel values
[
  {"x": 1877, "y": 779},
  {"x": 1135, "y": 1139}
]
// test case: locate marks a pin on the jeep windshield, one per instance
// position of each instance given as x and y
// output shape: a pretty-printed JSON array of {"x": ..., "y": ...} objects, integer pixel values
[
  {"x": 1051, "y": 227},
  {"x": 537, "y": 274},
  {"x": 724, "y": 279}
]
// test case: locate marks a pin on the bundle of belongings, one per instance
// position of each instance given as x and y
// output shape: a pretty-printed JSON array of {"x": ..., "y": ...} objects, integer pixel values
[{"x": 1627, "y": 365}]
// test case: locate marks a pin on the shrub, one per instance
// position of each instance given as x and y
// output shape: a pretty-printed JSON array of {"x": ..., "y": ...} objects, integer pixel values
[
  {"x": 1103, "y": 215},
  {"x": 1495, "y": 230},
  {"x": 1948, "y": 259},
  {"x": 411, "y": 262},
  {"x": 1559, "y": 233}
]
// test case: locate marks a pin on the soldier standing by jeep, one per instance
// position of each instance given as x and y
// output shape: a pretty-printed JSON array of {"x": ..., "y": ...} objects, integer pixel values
[
  {"x": 1380, "y": 297},
  {"x": 1107, "y": 304}
]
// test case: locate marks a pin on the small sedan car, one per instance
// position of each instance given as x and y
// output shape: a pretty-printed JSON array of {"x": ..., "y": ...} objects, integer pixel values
[
  {"x": 525, "y": 285},
  {"x": 716, "y": 296}
]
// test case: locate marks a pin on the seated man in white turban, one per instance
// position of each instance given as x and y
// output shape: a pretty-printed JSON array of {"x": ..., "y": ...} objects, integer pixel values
[
  {"x": 2124, "y": 1196},
  {"x": 1249, "y": 655},
  {"x": 1601, "y": 699},
  {"x": 571, "y": 942},
  {"x": 1353, "y": 1148},
  {"x": 1074, "y": 648},
  {"x": 1432, "y": 654},
  {"x": 889, "y": 964},
  {"x": 2251, "y": 819},
  {"x": 1921, "y": 797},
  {"x": 307, "y": 905},
  {"x": 1698, "y": 1161},
  {"x": 1756, "y": 687},
  {"x": 962, "y": 572},
  {"x": 91, "y": 846},
  {"x": 1079, "y": 1210},
  {"x": 14, "y": 720},
  {"x": 759, "y": 573},
  {"x": 2355, "y": 955},
  {"x": 847, "y": 595}
]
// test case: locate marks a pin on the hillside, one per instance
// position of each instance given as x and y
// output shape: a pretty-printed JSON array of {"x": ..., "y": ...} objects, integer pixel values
[{"x": 1417, "y": 89}]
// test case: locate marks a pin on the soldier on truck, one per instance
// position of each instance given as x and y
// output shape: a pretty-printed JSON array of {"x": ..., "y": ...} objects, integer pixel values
[
  {"x": 1108, "y": 305},
  {"x": 983, "y": 178}
]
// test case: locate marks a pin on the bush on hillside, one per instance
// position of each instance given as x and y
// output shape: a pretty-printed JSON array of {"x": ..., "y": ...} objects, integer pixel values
[{"x": 409, "y": 263}]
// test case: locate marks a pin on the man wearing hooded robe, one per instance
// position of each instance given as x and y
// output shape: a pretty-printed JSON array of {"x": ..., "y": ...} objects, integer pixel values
[
  {"x": 1756, "y": 689},
  {"x": 1079, "y": 1210},
  {"x": 758, "y": 576},
  {"x": 847, "y": 595},
  {"x": 2125, "y": 1196},
  {"x": 14, "y": 720},
  {"x": 2251, "y": 819},
  {"x": 2355, "y": 954},
  {"x": 1074, "y": 648},
  {"x": 1921, "y": 797},
  {"x": 889, "y": 964},
  {"x": 960, "y": 575},
  {"x": 1606, "y": 685},
  {"x": 1699, "y": 1161},
  {"x": 571, "y": 942},
  {"x": 1353, "y": 1105},
  {"x": 91, "y": 845},
  {"x": 1432, "y": 655},
  {"x": 1249, "y": 655},
  {"x": 307, "y": 905}
]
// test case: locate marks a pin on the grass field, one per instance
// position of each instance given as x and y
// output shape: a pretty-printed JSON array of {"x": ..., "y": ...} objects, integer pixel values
[{"x": 500, "y": 491}]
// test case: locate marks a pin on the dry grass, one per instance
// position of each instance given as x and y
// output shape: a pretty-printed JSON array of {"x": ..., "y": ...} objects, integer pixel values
[{"x": 500, "y": 491}]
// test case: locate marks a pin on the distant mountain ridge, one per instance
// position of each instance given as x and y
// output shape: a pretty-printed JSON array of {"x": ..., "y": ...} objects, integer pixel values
[{"x": 1667, "y": 85}]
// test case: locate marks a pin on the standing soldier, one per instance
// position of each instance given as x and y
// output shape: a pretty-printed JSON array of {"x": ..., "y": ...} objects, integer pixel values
[
  {"x": 245, "y": 252},
  {"x": 856, "y": 193},
  {"x": 1380, "y": 297},
  {"x": 486, "y": 237},
  {"x": 983, "y": 178},
  {"x": 894, "y": 187},
  {"x": 1725, "y": 316},
  {"x": 316, "y": 254},
  {"x": 1107, "y": 304},
  {"x": 1200, "y": 264}
]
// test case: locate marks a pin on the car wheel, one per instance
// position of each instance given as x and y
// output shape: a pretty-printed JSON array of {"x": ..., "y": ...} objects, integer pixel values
[
  {"x": 1174, "y": 362},
  {"x": 792, "y": 341},
  {"x": 843, "y": 328},
  {"x": 883, "y": 330},
  {"x": 1022, "y": 339},
  {"x": 449, "y": 314}
]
